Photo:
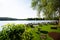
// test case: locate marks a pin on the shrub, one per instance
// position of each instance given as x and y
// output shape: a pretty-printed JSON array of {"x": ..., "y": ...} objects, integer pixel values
[
  {"x": 30, "y": 25},
  {"x": 45, "y": 32},
  {"x": 53, "y": 27},
  {"x": 28, "y": 36},
  {"x": 12, "y": 32}
]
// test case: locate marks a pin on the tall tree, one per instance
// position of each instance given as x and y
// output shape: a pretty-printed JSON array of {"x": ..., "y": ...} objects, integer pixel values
[
  {"x": 38, "y": 5},
  {"x": 49, "y": 7}
]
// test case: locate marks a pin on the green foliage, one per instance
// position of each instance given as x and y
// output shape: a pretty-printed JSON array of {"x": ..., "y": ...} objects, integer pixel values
[
  {"x": 49, "y": 7},
  {"x": 12, "y": 32},
  {"x": 23, "y": 32}
]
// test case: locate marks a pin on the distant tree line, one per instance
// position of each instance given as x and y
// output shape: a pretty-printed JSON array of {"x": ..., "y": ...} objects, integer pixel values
[{"x": 55, "y": 18}]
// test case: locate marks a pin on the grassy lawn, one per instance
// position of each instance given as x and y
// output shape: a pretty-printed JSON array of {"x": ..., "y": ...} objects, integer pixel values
[{"x": 48, "y": 28}]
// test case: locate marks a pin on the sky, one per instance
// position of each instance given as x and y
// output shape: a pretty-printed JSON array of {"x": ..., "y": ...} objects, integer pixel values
[{"x": 17, "y": 9}]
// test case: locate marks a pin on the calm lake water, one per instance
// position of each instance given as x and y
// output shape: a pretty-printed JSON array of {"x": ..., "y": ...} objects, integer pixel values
[{"x": 24, "y": 22}]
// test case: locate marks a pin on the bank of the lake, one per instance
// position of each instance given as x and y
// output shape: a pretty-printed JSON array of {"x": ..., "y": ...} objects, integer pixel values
[{"x": 26, "y": 32}]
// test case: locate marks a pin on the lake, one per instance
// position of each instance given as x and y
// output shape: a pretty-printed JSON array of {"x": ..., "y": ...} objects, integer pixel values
[{"x": 24, "y": 22}]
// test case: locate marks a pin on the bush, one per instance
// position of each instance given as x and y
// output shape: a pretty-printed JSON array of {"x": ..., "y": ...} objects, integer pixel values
[
  {"x": 12, "y": 32},
  {"x": 30, "y": 25},
  {"x": 53, "y": 27},
  {"x": 17, "y": 32},
  {"x": 45, "y": 32},
  {"x": 28, "y": 36}
]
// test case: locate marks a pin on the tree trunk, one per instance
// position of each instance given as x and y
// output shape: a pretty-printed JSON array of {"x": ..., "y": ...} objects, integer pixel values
[
  {"x": 59, "y": 17},
  {"x": 38, "y": 14}
]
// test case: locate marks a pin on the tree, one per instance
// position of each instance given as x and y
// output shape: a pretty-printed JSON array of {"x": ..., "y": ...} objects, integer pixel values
[
  {"x": 36, "y": 6},
  {"x": 49, "y": 7}
]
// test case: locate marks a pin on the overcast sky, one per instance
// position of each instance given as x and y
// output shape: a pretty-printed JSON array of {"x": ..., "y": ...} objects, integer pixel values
[{"x": 16, "y": 9}]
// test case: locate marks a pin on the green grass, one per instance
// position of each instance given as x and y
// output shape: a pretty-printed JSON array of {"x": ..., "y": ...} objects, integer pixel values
[{"x": 48, "y": 28}]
